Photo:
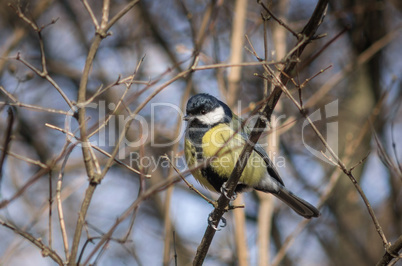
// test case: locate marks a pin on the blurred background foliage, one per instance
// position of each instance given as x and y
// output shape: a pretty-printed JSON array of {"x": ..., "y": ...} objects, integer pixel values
[{"x": 362, "y": 46}]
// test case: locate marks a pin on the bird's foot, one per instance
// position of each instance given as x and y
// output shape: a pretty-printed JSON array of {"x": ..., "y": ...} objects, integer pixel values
[
  {"x": 211, "y": 222},
  {"x": 224, "y": 190}
]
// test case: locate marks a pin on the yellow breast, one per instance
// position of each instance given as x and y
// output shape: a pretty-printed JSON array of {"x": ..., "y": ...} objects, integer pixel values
[{"x": 223, "y": 145}]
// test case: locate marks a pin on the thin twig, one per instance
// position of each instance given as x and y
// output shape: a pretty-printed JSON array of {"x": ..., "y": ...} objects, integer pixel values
[
  {"x": 359, "y": 162},
  {"x": 283, "y": 24},
  {"x": 9, "y": 95},
  {"x": 59, "y": 201},
  {"x": 7, "y": 141},
  {"x": 149, "y": 192},
  {"x": 128, "y": 86},
  {"x": 119, "y": 162},
  {"x": 46, "y": 251},
  {"x": 301, "y": 86},
  {"x": 174, "y": 248},
  {"x": 142, "y": 187},
  {"x": 339, "y": 163},
  {"x": 353, "y": 66},
  {"x": 71, "y": 135},
  {"x": 50, "y": 209},
  {"x": 26, "y": 159},
  {"x": 52, "y": 163},
  {"x": 37, "y": 108},
  {"x": 224, "y": 65},
  {"x": 91, "y": 13},
  {"x": 349, "y": 153},
  {"x": 398, "y": 163},
  {"x": 122, "y": 12},
  {"x": 41, "y": 73},
  {"x": 324, "y": 47},
  {"x": 383, "y": 155},
  {"x": 190, "y": 186},
  {"x": 134, "y": 114}
]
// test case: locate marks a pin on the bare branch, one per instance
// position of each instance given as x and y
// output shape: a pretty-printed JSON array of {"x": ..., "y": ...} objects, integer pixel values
[
  {"x": 278, "y": 20},
  {"x": 349, "y": 153},
  {"x": 338, "y": 162},
  {"x": 392, "y": 252},
  {"x": 7, "y": 141},
  {"x": 59, "y": 201},
  {"x": 46, "y": 251},
  {"x": 44, "y": 73},
  {"x": 91, "y": 13},
  {"x": 223, "y": 201},
  {"x": 190, "y": 186},
  {"x": 122, "y": 12}
]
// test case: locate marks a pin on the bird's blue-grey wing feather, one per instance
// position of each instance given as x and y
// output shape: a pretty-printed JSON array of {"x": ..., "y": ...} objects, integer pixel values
[{"x": 236, "y": 124}]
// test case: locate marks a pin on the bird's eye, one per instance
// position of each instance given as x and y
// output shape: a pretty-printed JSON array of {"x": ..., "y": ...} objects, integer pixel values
[{"x": 203, "y": 112}]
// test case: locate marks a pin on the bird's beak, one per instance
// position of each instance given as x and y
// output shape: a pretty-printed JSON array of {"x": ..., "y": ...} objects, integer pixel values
[{"x": 186, "y": 117}]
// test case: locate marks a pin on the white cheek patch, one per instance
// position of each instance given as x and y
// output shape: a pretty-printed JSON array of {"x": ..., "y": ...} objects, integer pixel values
[{"x": 213, "y": 117}]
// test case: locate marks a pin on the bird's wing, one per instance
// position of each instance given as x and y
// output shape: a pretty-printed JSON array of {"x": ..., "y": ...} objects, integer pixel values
[{"x": 236, "y": 125}]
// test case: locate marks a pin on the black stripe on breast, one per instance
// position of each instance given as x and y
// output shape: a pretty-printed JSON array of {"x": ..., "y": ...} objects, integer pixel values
[{"x": 217, "y": 181}]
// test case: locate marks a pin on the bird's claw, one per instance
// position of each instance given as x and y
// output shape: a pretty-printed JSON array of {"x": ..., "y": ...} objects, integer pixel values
[
  {"x": 224, "y": 190},
  {"x": 211, "y": 223}
]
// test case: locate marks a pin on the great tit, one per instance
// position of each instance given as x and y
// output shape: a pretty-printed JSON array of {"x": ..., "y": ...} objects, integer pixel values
[{"x": 215, "y": 135}]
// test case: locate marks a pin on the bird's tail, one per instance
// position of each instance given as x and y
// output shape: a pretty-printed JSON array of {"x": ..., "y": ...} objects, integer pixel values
[{"x": 299, "y": 205}]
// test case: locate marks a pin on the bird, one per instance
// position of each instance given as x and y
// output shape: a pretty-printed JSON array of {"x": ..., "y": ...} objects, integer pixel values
[{"x": 214, "y": 139}]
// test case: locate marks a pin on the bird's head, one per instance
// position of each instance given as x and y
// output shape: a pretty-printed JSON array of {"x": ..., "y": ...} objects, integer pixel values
[{"x": 207, "y": 110}]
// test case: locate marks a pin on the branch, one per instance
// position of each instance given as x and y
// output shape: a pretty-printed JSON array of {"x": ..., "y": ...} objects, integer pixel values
[
  {"x": 7, "y": 140},
  {"x": 391, "y": 252},
  {"x": 46, "y": 251},
  {"x": 59, "y": 200},
  {"x": 307, "y": 34},
  {"x": 348, "y": 154},
  {"x": 336, "y": 160},
  {"x": 41, "y": 73},
  {"x": 45, "y": 170},
  {"x": 89, "y": 160},
  {"x": 148, "y": 193},
  {"x": 283, "y": 24}
]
